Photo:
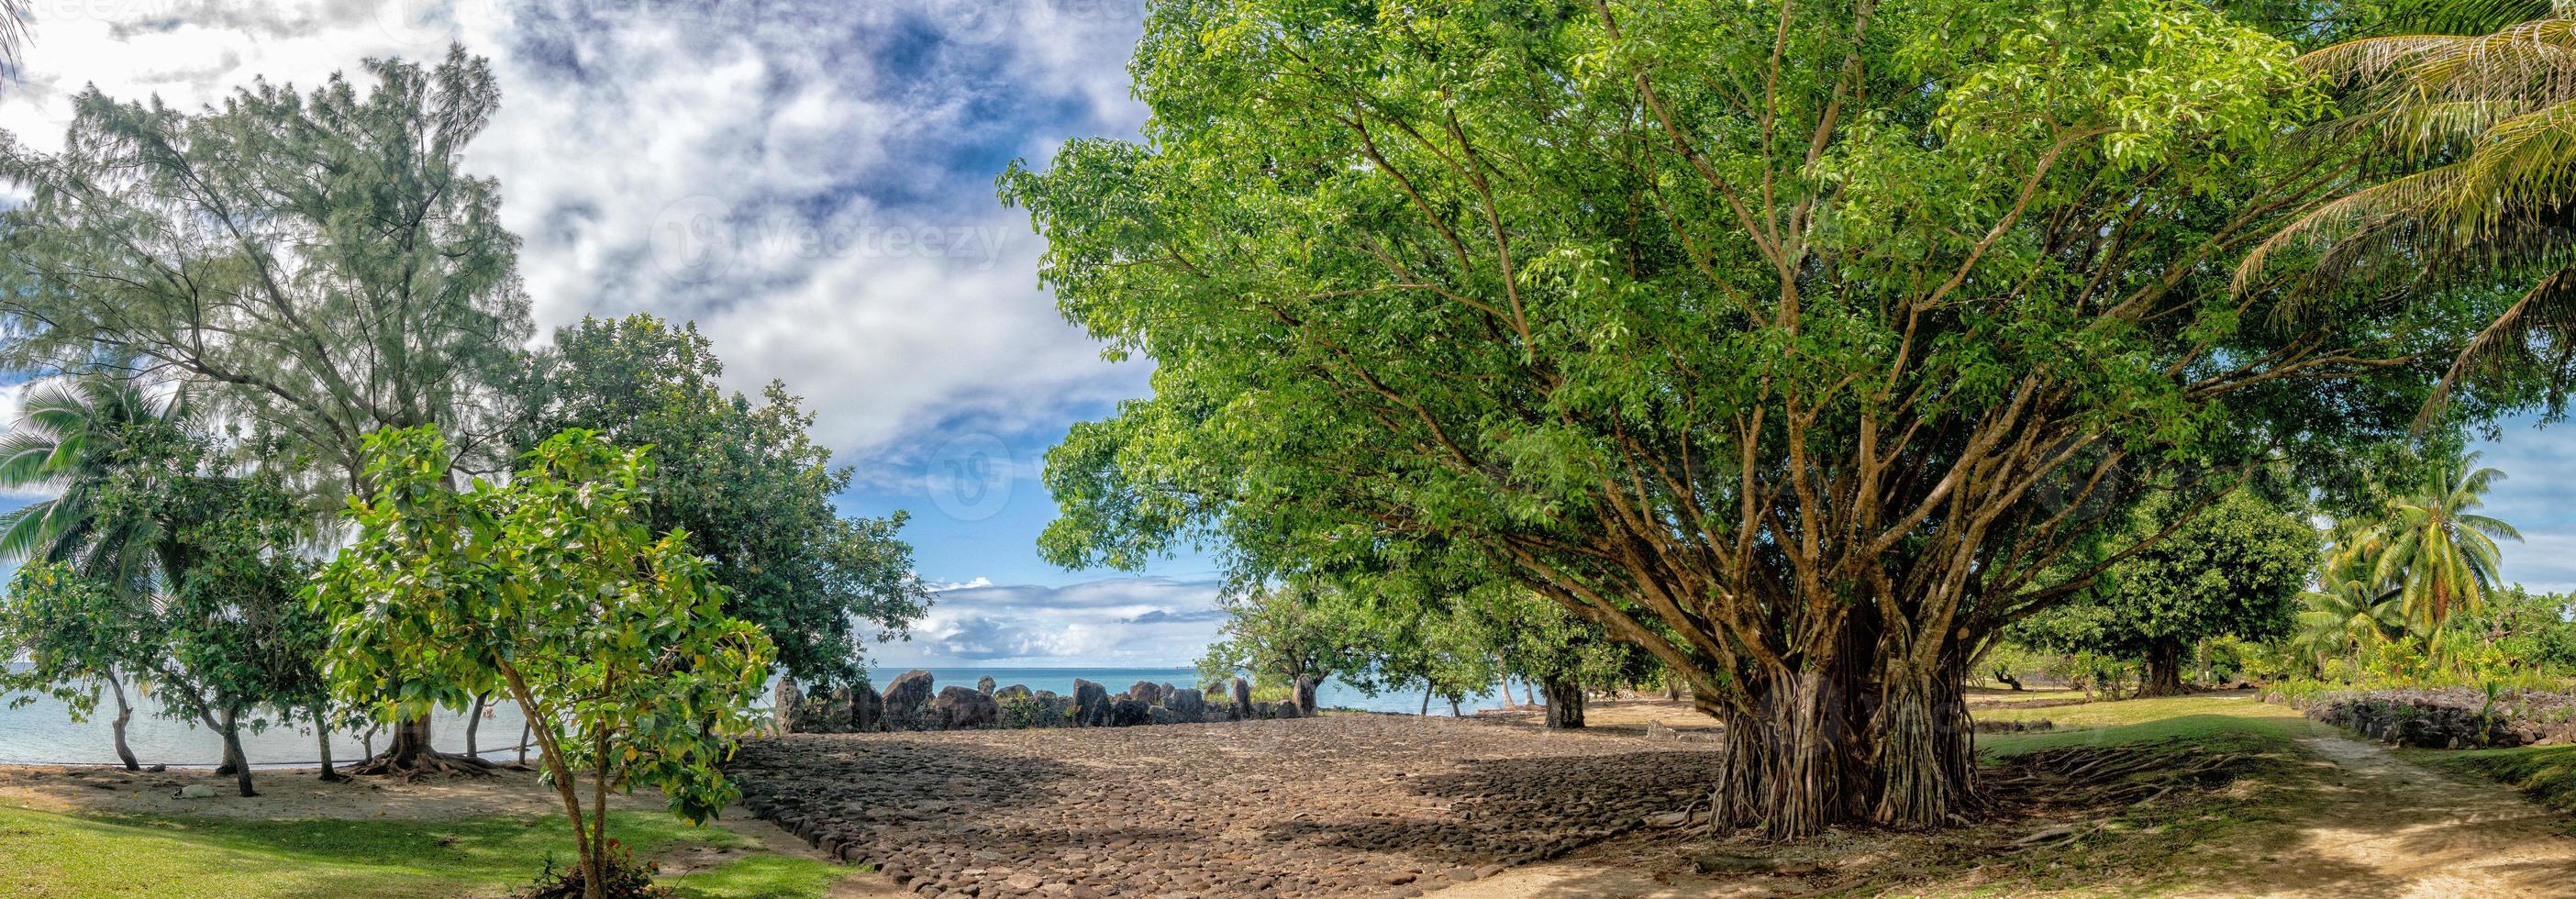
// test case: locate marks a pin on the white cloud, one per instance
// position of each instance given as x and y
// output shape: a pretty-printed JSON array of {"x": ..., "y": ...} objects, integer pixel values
[{"x": 1130, "y": 622}]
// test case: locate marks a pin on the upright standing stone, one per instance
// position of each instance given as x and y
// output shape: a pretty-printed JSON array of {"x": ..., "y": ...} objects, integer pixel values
[
  {"x": 1305, "y": 694},
  {"x": 907, "y": 701},
  {"x": 866, "y": 710},
  {"x": 1090, "y": 703},
  {"x": 783, "y": 703},
  {"x": 984, "y": 685},
  {"x": 1146, "y": 692},
  {"x": 1242, "y": 699}
]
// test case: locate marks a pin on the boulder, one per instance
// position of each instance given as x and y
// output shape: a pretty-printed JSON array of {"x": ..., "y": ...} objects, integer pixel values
[
  {"x": 1146, "y": 692},
  {"x": 984, "y": 685},
  {"x": 1187, "y": 704},
  {"x": 1162, "y": 715},
  {"x": 907, "y": 701},
  {"x": 1014, "y": 691},
  {"x": 1129, "y": 712},
  {"x": 1285, "y": 710},
  {"x": 1090, "y": 703},
  {"x": 958, "y": 708},
  {"x": 1262, "y": 711},
  {"x": 1302, "y": 694},
  {"x": 1242, "y": 694}
]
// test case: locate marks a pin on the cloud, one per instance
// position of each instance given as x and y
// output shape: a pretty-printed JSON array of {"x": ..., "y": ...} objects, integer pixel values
[{"x": 1127, "y": 622}]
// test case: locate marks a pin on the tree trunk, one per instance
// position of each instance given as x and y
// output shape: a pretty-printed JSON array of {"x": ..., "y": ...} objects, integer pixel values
[
  {"x": 2164, "y": 670},
  {"x": 1426, "y": 702},
  {"x": 526, "y": 727},
  {"x": 410, "y": 754},
  {"x": 233, "y": 756},
  {"x": 322, "y": 735},
  {"x": 474, "y": 723},
  {"x": 1791, "y": 768},
  {"x": 1507, "y": 687},
  {"x": 1564, "y": 702},
  {"x": 1923, "y": 744},
  {"x": 124, "y": 714}
]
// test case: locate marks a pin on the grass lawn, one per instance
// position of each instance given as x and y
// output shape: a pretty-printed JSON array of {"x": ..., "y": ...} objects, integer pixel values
[
  {"x": 2233, "y": 722},
  {"x": 58, "y": 856}
]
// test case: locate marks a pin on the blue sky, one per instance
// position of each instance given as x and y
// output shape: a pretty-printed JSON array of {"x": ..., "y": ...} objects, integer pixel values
[{"x": 812, "y": 182}]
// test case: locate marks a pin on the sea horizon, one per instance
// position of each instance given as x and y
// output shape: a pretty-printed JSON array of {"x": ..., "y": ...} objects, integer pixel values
[{"x": 41, "y": 731}]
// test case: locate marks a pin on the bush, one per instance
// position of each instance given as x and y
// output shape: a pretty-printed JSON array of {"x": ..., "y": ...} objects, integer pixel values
[{"x": 626, "y": 878}]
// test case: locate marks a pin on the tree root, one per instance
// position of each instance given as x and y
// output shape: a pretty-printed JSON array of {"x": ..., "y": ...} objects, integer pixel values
[{"x": 420, "y": 766}]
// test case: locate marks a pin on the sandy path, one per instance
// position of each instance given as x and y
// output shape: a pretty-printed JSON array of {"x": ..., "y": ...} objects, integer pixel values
[{"x": 2390, "y": 828}]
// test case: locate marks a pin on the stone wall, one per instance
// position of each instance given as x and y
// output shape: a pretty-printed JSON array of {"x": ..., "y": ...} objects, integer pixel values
[
  {"x": 2447, "y": 718},
  {"x": 912, "y": 702}
]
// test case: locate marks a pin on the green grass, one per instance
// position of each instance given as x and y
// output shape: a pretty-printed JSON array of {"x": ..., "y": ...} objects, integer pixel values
[
  {"x": 2545, "y": 773},
  {"x": 2224, "y": 723},
  {"x": 58, "y": 856}
]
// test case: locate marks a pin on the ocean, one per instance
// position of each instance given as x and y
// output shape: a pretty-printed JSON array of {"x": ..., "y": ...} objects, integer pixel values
[{"x": 41, "y": 731}]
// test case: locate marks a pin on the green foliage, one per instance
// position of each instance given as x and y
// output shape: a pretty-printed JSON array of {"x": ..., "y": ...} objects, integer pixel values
[
  {"x": 2233, "y": 569},
  {"x": 1753, "y": 332},
  {"x": 2474, "y": 152},
  {"x": 1278, "y": 635},
  {"x": 69, "y": 433},
  {"x": 746, "y": 482},
  {"x": 75, "y": 634},
  {"x": 613, "y": 641},
  {"x": 160, "y": 566}
]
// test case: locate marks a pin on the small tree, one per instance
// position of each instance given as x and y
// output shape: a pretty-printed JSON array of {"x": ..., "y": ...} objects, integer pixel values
[
  {"x": 744, "y": 478},
  {"x": 77, "y": 634},
  {"x": 2235, "y": 569},
  {"x": 613, "y": 641},
  {"x": 1289, "y": 636}
]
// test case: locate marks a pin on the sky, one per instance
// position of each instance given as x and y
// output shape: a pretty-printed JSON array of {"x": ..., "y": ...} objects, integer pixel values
[{"x": 811, "y": 182}]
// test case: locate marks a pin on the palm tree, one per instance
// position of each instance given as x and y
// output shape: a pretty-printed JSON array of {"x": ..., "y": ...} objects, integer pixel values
[
  {"x": 2439, "y": 555},
  {"x": 69, "y": 437},
  {"x": 2483, "y": 120},
  {"x": 2346, "y": 615}
]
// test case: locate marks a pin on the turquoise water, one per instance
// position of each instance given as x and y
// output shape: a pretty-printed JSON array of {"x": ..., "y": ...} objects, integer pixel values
[{"x": 42, "y": 733}]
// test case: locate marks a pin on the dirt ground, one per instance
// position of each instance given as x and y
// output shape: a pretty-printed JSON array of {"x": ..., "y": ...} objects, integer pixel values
[{"x": 2365, "y": 822}]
